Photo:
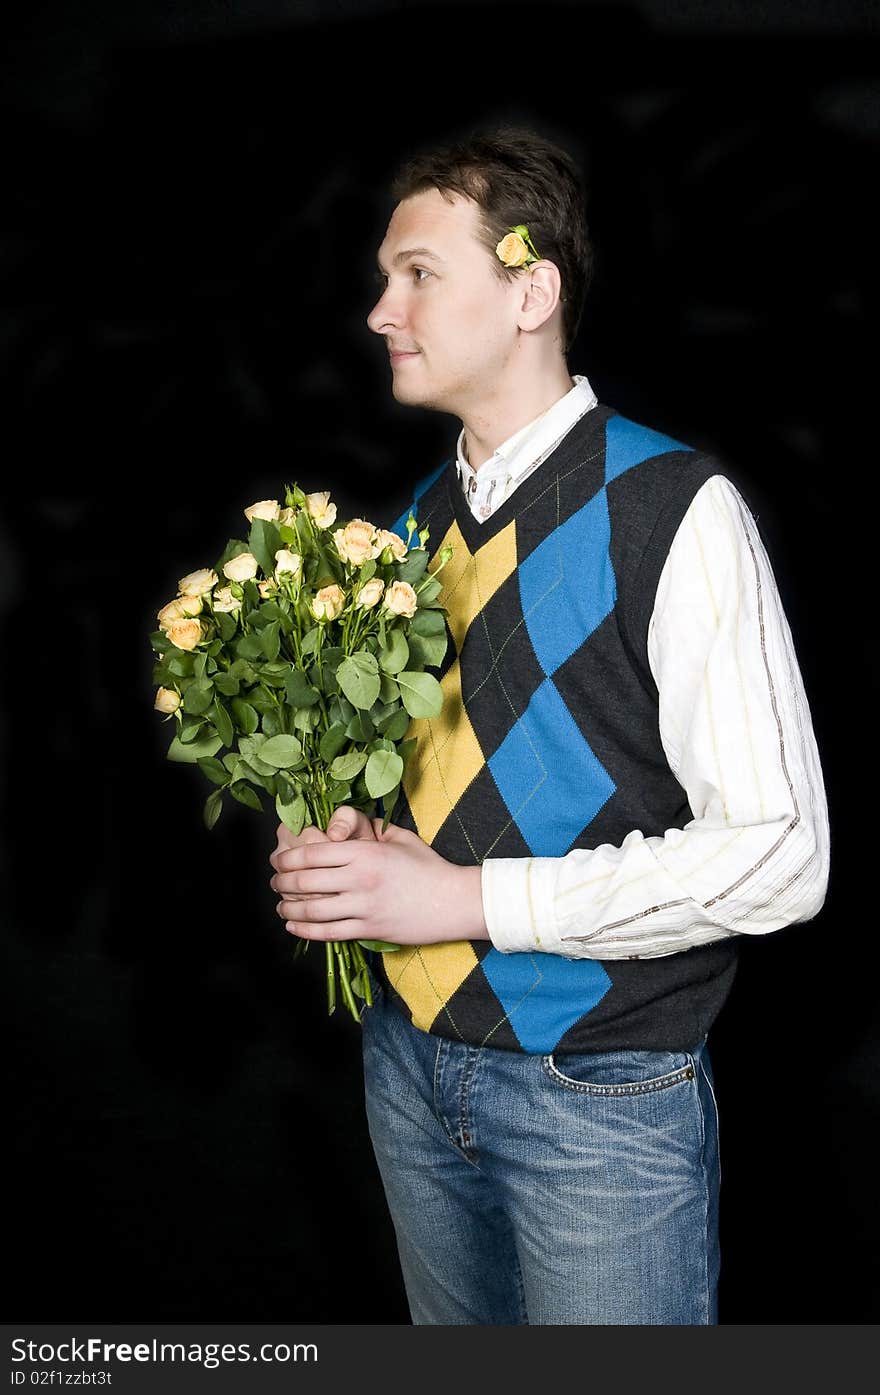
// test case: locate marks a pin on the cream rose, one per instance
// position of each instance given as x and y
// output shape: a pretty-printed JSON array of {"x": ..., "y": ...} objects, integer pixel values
[
  {"x": 244, "y": 567},
  {"x": 267, "y": 588},
  {"x": 370, "y": 593},
  {"x": 355, "y": 543},
  {"x": 287, "y": 517},
  {"x": 512, "y": 250},
  {"x": 167, "y": 700},
  {"x": 197, "y": 583},
  {"x": 321, "y": 511},
  {"x": 328, "y": 602},
  {"x": 178, "y": 609},
  {"x": 185, "y": 634},
  {"x": 286, "y": 561},
  {"x": 268, "y": 509},
  {"x": 384, "y": 539},
  {"x": 401, "y": 599},
  {"x": 224, "y": 601}
]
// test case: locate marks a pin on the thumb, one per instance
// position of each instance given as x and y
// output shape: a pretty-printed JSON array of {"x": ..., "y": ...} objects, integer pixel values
[{"x": 349, "y": 823}]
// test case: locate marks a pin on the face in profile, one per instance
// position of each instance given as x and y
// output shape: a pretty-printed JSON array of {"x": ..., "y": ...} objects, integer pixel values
[{"x": 447, "y": 318}]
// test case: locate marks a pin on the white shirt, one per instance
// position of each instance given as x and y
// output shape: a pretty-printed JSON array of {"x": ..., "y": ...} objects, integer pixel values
[
  {"x": 736, "y": 729},
  {"x": 521, "y": 453}
]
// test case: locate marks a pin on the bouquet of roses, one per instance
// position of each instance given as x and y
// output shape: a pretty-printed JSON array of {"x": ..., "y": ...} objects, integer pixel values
[{"x": 302, "y": 654}]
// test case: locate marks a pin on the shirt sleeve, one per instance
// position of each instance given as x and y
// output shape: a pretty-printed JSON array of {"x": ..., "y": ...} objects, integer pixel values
[{"x": 737, "y": 732}]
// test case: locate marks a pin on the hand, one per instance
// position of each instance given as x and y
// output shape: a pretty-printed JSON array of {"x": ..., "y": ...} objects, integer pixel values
[
  {"x": 346, "y": 822},
  {"x": 366, "y": 884}
]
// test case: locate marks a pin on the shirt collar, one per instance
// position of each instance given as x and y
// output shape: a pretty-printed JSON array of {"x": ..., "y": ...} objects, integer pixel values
[{"x": 515, "y": 456}]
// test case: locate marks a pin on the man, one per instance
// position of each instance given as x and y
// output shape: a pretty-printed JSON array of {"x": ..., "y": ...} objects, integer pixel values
[{"x": 622, "y": 782}]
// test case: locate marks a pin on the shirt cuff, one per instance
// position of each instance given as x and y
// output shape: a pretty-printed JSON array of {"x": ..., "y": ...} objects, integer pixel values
[{"x": 518, "y": 904}]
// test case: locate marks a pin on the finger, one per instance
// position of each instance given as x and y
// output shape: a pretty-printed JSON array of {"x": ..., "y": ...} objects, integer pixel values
[
  {"x": 327, "y": 854},
  {"x": 337, "y": 930},
  {"x": 287, "y": 840},
  {"x": 320, "y": 910},
  {"x": 349, "y": 823},
  {"x": 316, "y": 881}
]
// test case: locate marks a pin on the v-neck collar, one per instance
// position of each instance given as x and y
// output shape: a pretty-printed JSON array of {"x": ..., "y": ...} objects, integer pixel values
[{"x": 585, "y": 438}]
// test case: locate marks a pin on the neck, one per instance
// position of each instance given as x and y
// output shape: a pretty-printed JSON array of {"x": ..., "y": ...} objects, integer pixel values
[{"x": 510, "y": 408}]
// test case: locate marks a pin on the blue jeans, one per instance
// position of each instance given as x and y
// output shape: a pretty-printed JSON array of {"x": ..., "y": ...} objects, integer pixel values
[{"x": 545, "y": 1190}]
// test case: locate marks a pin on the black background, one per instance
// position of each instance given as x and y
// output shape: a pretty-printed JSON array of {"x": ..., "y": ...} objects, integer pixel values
[{"x": 193, "y": 197}]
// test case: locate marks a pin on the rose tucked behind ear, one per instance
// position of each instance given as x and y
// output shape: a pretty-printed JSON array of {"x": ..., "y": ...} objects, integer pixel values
[{"x": 516, "y": 249}]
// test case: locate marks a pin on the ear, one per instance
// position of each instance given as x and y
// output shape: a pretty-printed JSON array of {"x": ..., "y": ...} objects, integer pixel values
[{"x": 541, "y": 290}]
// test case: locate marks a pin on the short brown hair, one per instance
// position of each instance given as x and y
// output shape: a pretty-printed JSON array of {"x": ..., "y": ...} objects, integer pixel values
[{"x": 515, "y": 176}]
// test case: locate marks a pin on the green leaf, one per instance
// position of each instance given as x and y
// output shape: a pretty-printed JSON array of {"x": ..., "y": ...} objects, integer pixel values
[
  {"x": 246, "y": 794},
  {"x": 226, "y": 624},
  {"x": 421, "y": 693},
  {"x": 249, "y": 647},
  {"x": 360, "y": 728},
  {"x": 347, "y": 766},
  {"x": 299, "y": 691},
  {"x": 396, "y": 725},
  {"x": 428, "y": 622},
  {"x": 246, "y": 718},
  {"x": 430, "y": 591},
  {"x": 223, "y": 722},
  {"x": 213, "y": 806},
  {"x": 198, "y": 698},
  {"x": 281, "y": 751},
  {"x": 195, "y": 750},
  {"x": 339, "y": 792},
  {"x": 393, "y": 657},
  {"x": 261, "y": 699},
  {"x": 310, "y": 640},
  {"x": 227, "y": 684},
  {"x": 306, "y": 718},
  {"x": 340, "y": 709},
  {"x": 190, "y": 730},
  {"x": 332, "y": 741},
  {"x": 271, "y": 723},
  {"x": 406, "y": 748},
  {"x": 389, "y": 691},
  {"x": 427, "y": 650},
  {"x": 180, "y": 664},
  {"x": 275, "y": 674},
  {"x": 412, "y": 568},
  {"x": 384, "y": 769},
  {"x": 380, "y": 946},
  {"x": 264, "y": 541},
  {"x": 358, "y": 677},
  {"x": 214, "y": 769},
  {"x": 389, "y": 801},
  {"x": 270, "y": 637},
  {"x": 292, "y": 814}
]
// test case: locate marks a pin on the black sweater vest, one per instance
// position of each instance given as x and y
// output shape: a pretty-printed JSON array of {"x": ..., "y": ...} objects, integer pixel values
[{"x": 548, "y": 739}]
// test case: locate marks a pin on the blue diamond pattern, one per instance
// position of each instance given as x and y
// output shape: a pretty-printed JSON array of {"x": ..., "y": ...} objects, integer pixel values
[
  {"x": 567, "y": 584},
  {"x": 552, "y": 795},
  {"x": 627, "y": 444},
  {"x": 544, "y": 994}
]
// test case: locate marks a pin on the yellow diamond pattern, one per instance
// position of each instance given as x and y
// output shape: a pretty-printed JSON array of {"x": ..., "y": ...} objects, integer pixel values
[
  {"x": 426, "y": 977},
  {"x": 448, "y": 756}
]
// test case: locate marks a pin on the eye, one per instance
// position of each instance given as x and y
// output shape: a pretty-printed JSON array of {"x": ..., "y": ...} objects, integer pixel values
[
  {"x": 420, "y": 273},
  {"x": 380, "y": 279}
]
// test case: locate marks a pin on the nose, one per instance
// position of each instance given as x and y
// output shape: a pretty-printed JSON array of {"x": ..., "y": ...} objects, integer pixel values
[{"x": 386, "y": 314}]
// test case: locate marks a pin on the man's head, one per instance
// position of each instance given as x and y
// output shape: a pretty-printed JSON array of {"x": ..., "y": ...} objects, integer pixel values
[{"x": 455, "y": 319}]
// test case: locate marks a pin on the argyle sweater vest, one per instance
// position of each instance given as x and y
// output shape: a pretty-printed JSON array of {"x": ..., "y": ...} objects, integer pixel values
[{"x": 548, "y": 738}]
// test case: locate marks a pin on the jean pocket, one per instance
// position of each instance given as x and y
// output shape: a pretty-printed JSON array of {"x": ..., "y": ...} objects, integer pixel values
[{"x": 619, "y": 1072}]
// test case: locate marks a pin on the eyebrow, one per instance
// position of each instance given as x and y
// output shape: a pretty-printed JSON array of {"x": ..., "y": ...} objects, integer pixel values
[{"x": 408, "y": 252}]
